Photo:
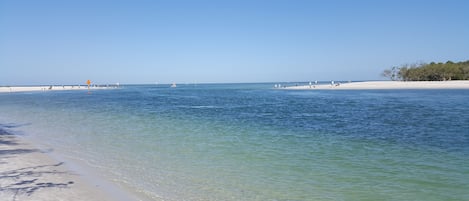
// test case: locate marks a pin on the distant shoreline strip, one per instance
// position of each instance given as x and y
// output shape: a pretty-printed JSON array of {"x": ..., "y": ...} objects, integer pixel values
[
  {"x": 6, "y": 89},
  {"x": 459, "y": 84}
]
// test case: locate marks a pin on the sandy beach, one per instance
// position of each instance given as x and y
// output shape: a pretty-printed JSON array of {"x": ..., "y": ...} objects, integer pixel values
[
  {"x": 28, "y": 173},
  {"x": 49, "y": 88},
  {"x": 388, "y": 85}
]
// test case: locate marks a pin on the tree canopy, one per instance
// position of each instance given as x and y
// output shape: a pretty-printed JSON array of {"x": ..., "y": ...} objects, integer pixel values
[{"x": 429, "y": 72}]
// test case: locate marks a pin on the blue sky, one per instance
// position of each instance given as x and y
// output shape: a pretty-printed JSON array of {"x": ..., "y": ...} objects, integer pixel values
[{"x": 146, "y": 41}]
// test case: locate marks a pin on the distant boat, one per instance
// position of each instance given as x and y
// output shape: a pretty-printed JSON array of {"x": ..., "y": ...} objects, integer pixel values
[{"x": 173, "y": 85}]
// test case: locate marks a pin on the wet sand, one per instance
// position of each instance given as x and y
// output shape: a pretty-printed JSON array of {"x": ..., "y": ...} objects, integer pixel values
[{"x": 27, "y": 173}]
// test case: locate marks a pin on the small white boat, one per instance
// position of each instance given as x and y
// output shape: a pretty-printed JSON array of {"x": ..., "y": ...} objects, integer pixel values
[{"x": 173, "y": 85}]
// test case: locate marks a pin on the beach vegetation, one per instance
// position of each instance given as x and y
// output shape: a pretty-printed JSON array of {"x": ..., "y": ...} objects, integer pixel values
[
  {"x": 429, "y": 71},
  {"x": 392, "y": 73}
]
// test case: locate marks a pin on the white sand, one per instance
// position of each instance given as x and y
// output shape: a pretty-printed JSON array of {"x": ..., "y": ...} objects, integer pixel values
[
  {"x": 27, "y": 173},
  {"x": 390, "y": 85},
  {"x": 47, "y": 88}
]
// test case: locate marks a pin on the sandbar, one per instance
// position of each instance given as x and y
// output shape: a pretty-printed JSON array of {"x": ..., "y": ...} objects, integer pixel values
[
  {"x": 50, "y": 88},
  {"x": 387, "y": 85}
]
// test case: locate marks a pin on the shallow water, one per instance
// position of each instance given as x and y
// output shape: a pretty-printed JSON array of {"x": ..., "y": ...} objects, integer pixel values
[{"x": 251, "y": 142}]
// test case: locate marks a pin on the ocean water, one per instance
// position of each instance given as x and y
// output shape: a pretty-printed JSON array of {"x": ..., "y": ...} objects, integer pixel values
[{"x": 253, "y": 142}]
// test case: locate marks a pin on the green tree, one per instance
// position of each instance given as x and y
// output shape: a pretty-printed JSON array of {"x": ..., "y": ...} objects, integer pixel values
[{"x": 430, "y": 72}]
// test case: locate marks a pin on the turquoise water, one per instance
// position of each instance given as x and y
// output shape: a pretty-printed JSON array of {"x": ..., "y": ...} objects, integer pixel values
[{"x": 251, "y": 142}]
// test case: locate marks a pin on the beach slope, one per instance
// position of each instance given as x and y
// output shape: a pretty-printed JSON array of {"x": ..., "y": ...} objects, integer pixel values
[{"x": 27, "y": 173}]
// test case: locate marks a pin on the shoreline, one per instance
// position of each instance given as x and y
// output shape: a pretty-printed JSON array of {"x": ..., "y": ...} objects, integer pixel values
[
  {"x": 371, "y": 85},
  {"x": 45, "y": 88},
  {"x": 30, "y": 173}
]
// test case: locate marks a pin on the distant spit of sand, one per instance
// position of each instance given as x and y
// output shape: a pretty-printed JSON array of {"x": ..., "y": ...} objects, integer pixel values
[
  {"x": 49, "y": 88},
  {"x": 388, "y": 85}
]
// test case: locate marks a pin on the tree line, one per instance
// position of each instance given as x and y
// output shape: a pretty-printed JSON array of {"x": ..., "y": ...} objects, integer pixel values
[{"x": 429, "y": 71}]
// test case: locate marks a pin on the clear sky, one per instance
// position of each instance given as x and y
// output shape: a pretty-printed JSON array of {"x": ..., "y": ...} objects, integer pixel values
[{"x": 148, "y": 41}]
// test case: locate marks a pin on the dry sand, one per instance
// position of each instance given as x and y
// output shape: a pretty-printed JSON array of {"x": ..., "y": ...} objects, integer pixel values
[
  {"x": 47, "y": 88},
  {"x": 27, "y": 173},
  {"x": 389, "y": 85}
]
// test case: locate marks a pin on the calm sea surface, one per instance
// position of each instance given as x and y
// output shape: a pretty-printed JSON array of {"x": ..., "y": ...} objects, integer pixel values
[{"x": 251, "y": 142}]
